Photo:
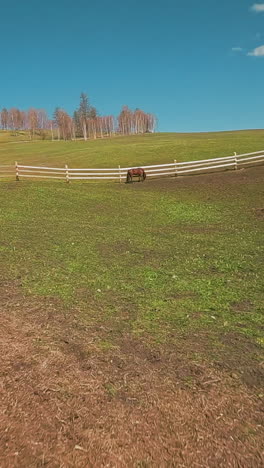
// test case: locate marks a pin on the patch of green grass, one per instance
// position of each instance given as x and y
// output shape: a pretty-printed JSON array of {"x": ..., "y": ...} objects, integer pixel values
[
  {"x": 106, "y": 345},
  {"x": 111, "y": 389},
  {"x": 133, "y": 150},
  {"x": 155, "y": 262}
]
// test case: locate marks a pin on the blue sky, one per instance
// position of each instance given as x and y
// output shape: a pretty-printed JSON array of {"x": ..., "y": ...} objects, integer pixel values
[{"x": 173, "y": 58}]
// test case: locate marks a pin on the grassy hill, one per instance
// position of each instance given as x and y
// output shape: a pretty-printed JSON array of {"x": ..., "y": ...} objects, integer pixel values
[
  {"x": 133, "y": 150},
  {"x": 133, "y": 314}
]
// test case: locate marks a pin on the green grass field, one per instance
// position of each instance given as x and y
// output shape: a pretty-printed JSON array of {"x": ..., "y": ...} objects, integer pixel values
[
  {"x": 169, "y": 259},
  {"x": 178, "y": 258},
  {"x": 172, "y": 263},
  {"x": 133, "y": 150}
]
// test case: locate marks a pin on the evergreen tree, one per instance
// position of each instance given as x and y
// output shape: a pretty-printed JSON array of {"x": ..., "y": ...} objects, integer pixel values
[
  {"x": 84, "y": 107},
  {"x": 93, "y": 113},
  {"x": 83, "y": 112},
  {"x": 56, "y": 118},
  {"x": 77, "y": 123}
]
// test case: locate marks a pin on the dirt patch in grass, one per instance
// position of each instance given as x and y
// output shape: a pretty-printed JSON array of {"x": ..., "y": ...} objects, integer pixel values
[
  {"x": 242, "y": 359},
  {"x": 242, "y": 307},
  {"x": 216, "y": 181},
  {"x": 65, "y": 401},
  {"x": 202, "y": 229},
  {"x": 112, "y": 249},
  {"x": 184, "y": 295},
  {"x": 259, "y": 212}
]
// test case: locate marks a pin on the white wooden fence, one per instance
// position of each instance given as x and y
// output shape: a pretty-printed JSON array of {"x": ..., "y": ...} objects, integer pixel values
[{"x": 171, "y": 169}]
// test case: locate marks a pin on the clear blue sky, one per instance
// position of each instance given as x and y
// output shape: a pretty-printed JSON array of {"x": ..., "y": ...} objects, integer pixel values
[{"x": 170, "y": 57}]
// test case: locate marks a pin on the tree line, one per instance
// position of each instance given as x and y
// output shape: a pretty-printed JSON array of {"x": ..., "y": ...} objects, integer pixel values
[{"x": 84, "y": 123}]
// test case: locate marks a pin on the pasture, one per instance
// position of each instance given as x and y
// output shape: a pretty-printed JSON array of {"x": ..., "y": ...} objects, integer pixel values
[
  {"x": 133, "y": 150},
  {"x": 132, "y": 315}
]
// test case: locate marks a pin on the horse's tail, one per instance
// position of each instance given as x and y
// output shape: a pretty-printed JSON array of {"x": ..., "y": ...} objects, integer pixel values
[
  {"x": 128, "y": 177},
  {"x": 144, "y": 175}
]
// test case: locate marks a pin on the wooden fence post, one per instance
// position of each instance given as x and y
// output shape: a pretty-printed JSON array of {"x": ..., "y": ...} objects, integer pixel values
[
  {"x": 120, "y": 175},
  {"x": 17, "y": 171},
  {"x": 176, "y": 170},
  {"x": 235, "y": 160},
  {"x": 67, "y": 174}
]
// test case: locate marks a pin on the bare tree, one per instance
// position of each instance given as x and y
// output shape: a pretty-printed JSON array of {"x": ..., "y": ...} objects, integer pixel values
[
  {"x": 85, "y": 122},
  {"x": 32, "y": 121},
  {"x": 4, "y": 118},
  {"x": 135, "y": 122}
]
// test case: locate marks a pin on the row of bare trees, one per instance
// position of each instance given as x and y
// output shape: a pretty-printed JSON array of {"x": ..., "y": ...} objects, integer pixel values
[
  {"x": 130, "y": 122},
  {"x": 33, "y": 120},
  {"x": 85, "y": 122}
]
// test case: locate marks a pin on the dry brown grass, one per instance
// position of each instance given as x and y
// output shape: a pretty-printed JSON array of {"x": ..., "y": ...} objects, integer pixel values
[{"x": 65, "y": 402}]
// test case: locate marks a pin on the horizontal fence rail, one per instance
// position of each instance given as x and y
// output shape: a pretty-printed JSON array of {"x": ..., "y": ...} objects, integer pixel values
[{"x": 173, "y": 169}]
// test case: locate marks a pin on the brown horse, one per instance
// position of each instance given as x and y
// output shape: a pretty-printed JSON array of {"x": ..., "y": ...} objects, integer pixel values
[{"x": 139, "y": 172}]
